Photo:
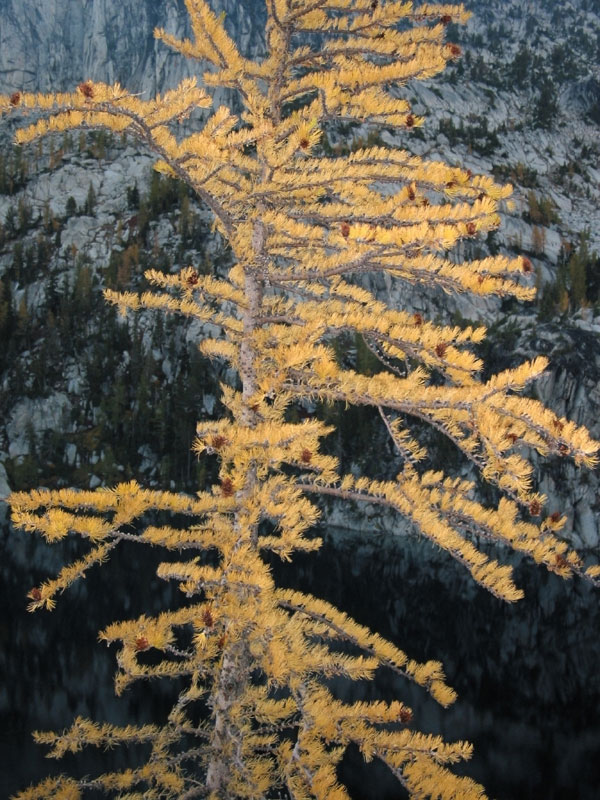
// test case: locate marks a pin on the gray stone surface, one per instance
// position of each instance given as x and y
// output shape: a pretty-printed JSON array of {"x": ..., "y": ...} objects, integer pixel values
[{"x": 55, "y": 44}]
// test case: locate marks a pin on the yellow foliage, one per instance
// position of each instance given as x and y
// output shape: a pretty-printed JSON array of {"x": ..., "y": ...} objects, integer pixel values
[{"x": 302, "y": 227}]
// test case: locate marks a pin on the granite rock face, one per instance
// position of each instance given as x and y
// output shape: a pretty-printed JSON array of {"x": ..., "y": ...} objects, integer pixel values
[
  {"x": 483, "y": 113},
  {"x": 55, "y": 44}
]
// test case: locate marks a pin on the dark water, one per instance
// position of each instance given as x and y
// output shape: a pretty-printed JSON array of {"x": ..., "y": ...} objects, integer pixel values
[{"x": 527, "y": 675}]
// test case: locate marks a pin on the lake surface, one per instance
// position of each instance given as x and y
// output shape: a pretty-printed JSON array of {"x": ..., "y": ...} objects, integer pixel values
[{"x": 527, "y": 674}]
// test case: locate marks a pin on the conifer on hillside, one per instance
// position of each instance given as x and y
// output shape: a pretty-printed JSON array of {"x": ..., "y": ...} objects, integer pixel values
[{"x": 304, "y": 228}]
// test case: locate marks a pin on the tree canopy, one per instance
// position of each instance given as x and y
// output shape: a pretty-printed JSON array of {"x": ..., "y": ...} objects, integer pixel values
[{"x": 306, "y": 229}]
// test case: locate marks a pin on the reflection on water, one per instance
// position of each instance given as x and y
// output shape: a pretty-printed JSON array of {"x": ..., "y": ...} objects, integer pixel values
[{"x": 527, "y": 674}]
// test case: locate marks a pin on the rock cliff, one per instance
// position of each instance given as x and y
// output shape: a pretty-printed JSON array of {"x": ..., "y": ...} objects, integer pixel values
[
  {"x": 522, "y": 104},
  {"x": 55, "y": 44}
]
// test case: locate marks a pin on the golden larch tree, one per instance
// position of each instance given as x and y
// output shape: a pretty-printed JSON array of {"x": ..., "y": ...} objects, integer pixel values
[{"x": 304, "y": 229}]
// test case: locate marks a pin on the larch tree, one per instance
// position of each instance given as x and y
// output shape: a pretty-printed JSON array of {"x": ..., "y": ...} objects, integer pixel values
[{"x": 305, "y": 229}]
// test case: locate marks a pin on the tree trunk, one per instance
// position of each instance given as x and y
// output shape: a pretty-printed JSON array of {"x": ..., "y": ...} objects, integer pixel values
[{"x": 236, "y": 664}]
